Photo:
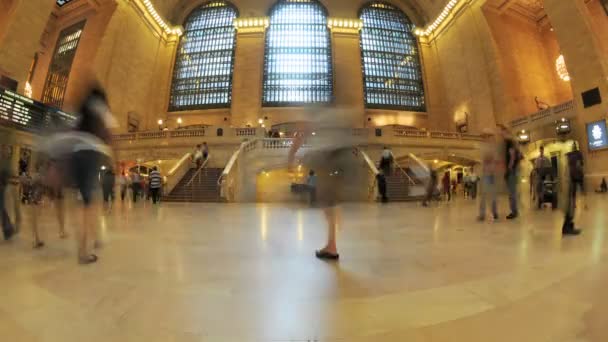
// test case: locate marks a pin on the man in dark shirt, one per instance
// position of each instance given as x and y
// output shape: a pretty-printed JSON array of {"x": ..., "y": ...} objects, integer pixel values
[
  {"x": 382, "y": 188},
  {"x": 512, "y": 159}
]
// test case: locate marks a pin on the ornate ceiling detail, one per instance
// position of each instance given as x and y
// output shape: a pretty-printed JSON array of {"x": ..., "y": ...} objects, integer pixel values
[{"x": 529, "y": 9}]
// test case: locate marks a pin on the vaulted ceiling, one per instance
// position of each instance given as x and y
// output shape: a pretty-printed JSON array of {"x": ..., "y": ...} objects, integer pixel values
[
  {"x": 529, "y": 9},
  {"x": 420, "y": 11}
]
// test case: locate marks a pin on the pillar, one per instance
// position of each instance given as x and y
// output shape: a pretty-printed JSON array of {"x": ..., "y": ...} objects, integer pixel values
[
  {"x": 588, "y": 69},
  {"x": 348, "y": 70},
  {"x": 247, "y": 83}
]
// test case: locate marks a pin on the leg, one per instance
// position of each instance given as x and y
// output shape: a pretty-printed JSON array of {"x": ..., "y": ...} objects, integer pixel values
[
  {"x": 330, "y": 251},
  {"x": 59, "y": 211},
  {"x": 512, "y": 186}
]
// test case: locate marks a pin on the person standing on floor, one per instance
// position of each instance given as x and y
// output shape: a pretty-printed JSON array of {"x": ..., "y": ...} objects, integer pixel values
[
  {"x": 489, "y": 165},
  {"x": 576, "y": 175},
  {"x": 512, "y": 158},
  {"x": 205, "y": 151},
  {"x": 447, "y": 186},
  {"x": 431, "y": 187},
  {"x": 542, "y": 169},
  {"x": 156, "y": 182},
  {"x": 8, "y": 229},
  {"x": 108, "y": 182},
  {"x": 135, "y": 185},
  {"x": 311, "y": 183},
  {"x": 123, "y": 183}
]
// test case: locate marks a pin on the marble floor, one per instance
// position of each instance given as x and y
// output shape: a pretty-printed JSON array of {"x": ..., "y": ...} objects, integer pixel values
[{"x": 246, "y": 272}]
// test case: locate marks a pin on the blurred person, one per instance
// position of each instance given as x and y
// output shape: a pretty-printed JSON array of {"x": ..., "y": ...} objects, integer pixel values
[
  {"x": 311, "y": 183},
  {"x": 382, "y": 186},
  {"x": 489, "y": 178},
  {"x": 108, "y": 181},
  {"x": 512, "y": 158},
  {"x": 329, "y": 153},
  {"x": 431, "y": 187},
  {"x": 85, "y": 148},
  {"x": 542, "y": 170},
  {"x": 445, "y": 181},
  {"x": 576, "y": 175},
  {"x": 474, "y": 179},
  {"x": 386, "y": 161},
  {"x": 197, "y": 156},
  {"x": 156, "y": 182},
  {"x": 135, "y": 185},
  {"x": 23, "y": 163},
  {"x": 205, "y": 151},
  {"x": 123, "y": 183},
  {"x": 8, "y": 229},
  {"x": 51, "y": 177},
  {"x": 603, "y": 186}
]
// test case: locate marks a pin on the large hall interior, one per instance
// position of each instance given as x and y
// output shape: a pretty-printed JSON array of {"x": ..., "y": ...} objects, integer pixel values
[{"x": 303, "y": 170}]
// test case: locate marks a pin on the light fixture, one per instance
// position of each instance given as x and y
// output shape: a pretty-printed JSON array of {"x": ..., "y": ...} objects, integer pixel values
[
  {"x": 177, "y": 31},
  {"x": 28, "y": 89},
  {"x": 251, "y": 24},
  {"x": 438, "y": 21},
  {"x": 435, "y": 161},
  {"x": 345, "y": 25},
  {"x": 562, "y": 70},
  {"x": 179, "y": 121},
  {"x": 314, "y": 133},
  {"x": 523, "y": 137},
  {"x": 260, "y": 121},
  {"x": 103, "y": 167}
]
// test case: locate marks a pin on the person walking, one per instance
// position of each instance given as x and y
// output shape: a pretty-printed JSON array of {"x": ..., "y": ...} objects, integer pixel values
[
  {"x": 205, "y": 151},
  {"x": 386, "y": 161},
  {"x": 197, "y": 156},
  {"x": 512, "y": 158},
  {"x": 489, "y": 164},
  {"x": 108, "y": 182},
  {"x": 156, "y": 183},
  {"x": 382, "y": 186}
]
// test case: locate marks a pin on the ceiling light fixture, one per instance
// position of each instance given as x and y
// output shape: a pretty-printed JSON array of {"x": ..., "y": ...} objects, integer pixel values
[{"x": 439, "y": 20}]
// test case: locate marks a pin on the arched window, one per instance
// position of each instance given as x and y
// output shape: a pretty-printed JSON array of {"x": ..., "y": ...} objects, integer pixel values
[
  {"x": 298, "y": 55},
  {"x": 202, "y": 77},
  {"x": 391, "y": 62}
]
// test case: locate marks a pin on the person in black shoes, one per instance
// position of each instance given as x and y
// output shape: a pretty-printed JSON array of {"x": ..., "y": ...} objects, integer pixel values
[
  {"x": 575, "y": 180},
  {"x": 382, "y": 186},
  {"x": 512, "y": 159}
]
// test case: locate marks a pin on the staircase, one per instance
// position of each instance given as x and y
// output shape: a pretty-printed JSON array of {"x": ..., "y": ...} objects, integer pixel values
[
  {"x": 399, "y": 188},
  {"x": 204, "y": 189}
]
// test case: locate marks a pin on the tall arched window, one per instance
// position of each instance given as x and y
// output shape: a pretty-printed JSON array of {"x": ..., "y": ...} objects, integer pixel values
[
  {"x": 298, "y": 55},
  {"x": 202, "y": 77},
  {"x": 391, "y": 61}
]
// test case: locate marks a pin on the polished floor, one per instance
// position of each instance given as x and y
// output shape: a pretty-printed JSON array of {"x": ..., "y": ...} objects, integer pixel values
[{"x": 246, "y": 272}]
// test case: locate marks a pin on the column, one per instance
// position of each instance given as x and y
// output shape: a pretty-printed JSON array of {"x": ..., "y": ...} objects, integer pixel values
[
  {"x": 20, "y": 37},
  {"x": 587, "y": 68},
  {"x": 248, "y": 72},
  {"x": 348, "y": 69}
]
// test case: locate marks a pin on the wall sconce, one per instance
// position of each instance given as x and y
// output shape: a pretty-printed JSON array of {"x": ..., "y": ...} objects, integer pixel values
[
  {"x": 563, "y": 127},
  {"x": 462, "y": 126},
  {"x": 160, "y": 124},
  {"x": 523, "y": 137},
  {"x": 179, "y": 122}
]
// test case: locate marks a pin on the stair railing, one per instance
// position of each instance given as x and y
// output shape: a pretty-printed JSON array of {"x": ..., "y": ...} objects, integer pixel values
[
  {"x": 177, "y": 172},
  {"x": 410, "y": 181},
  {"x": 198, "y": 172},
  {"x": 373, "y": 170},
  {"x": 227, "y": 182}
]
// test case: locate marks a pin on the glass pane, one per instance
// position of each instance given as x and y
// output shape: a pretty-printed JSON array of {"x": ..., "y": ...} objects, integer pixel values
[
  {"x": 298, "y": 55},
  {"x": 202, "y": 76},
  {"x": 391, "y": 61},
  {"x": 61, "y": 65}
]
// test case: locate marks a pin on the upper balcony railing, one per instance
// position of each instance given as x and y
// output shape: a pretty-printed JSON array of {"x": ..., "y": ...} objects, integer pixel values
[
  {"x": 545, "y": 116},
  {"x": 23, "y": 113}
]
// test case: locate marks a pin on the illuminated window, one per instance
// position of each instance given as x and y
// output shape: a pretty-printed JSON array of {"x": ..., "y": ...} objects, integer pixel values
[
  {"x": 391, "y": 62},
  {"x": 202, "y": 77},
  {"x": 298, "y": 55},
  {"x": 61, "y": 64}
]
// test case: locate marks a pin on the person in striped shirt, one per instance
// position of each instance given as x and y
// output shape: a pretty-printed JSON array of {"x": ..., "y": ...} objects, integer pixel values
[{"x": 156, "y": 182}]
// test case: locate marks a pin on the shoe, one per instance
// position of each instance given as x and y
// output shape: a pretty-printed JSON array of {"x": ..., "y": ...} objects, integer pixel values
[
  {"x": 38, "y": 244},
  {"x": 424, "y": 204},
  {"x": 480, "y": 218},
  {"x": 326, "y": 255},
  {"x": 90, "y": 259},
  {"x": 571, "y": 231},
  {"x": 512, "y": 216},
  {"x": 495, "y": 217}
]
